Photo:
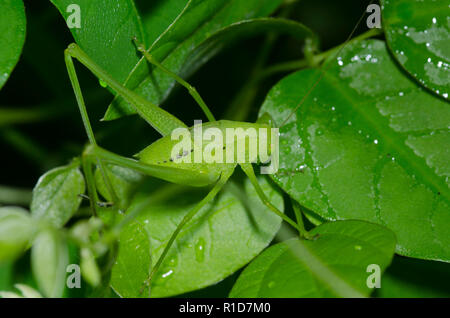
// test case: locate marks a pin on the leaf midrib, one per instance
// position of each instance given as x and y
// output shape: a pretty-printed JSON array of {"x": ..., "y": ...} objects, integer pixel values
[
  {"x": 322, "y": 272},
  {"x": 393, "y": 141},
  {"x": 145, "y": 80}
]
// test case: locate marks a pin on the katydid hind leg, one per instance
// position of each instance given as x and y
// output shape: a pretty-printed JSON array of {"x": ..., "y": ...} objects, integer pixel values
[
  {"x": 301, "y": 227},
  {"x": 248, "y": 170}
]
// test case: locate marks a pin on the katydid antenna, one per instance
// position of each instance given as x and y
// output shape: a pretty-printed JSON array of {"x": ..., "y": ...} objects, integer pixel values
[{"x": 325, "y": 66}]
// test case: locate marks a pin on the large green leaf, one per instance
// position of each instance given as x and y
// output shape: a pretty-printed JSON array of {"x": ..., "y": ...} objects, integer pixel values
[
  {"x": 414, "y": 278},
  {"x": 16, "y": 229},
  {"x": 335, "y": 264},
  {"x": 133, "y": 264},
  {"x": 198, "y": 20},
  {"x": 418, "y": 34},
  {"x": 12, "y": 36},
  {"x": 56, "y": 196},
  {"x": 223, "y": 237},
  {"x": 240, "y": 31},
  {"x": 107, "y": 28},
  {"x": 158, "y": 15},
  {"x": 367, "y": 144},
  {"x": 49, "y": 259}
]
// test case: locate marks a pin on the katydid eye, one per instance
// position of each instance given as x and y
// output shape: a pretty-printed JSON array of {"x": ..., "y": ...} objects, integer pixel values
[{"x": 183, "y": 153}]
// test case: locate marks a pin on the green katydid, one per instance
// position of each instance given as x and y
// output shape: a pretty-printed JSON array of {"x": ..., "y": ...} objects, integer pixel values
[{"x": 156, "y": 160}]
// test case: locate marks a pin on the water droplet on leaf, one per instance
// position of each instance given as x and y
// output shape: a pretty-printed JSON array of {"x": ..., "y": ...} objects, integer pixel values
[{"x": 200, "y": 250}]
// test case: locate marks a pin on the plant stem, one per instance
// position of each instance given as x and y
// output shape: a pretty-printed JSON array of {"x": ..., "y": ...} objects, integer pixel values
[
  {"x": 241, "y": 104},
  {"x": 317, "y": 59}
]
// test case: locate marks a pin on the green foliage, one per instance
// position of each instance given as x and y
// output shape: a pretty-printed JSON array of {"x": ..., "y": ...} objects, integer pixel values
[
  {"x": 89, "y": 268},
  {"x": 198, "y": 20},
  {"x": 243, "y": 30},
  {"x": 13, "y": 25},
  {"x": 417, "y": 32},
  {"x": 49, "y": 258},
  {"x": 414, "y": 278},
  {"x": 364, "y": 135},
  {"x": 332, "y": 265},
  {"x": 125, "y": 182},
  {"x": 133, "y": 263},
  {"x": 107, "y": 39},
  {"x": 56, "y": 196},
  {"x": 16, "y": 229},
  {"x": 390, "y": 136},
  {"x": 222, "y": 238}
]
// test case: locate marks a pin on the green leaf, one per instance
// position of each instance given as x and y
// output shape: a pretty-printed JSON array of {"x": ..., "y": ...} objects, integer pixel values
[
  {"x": 124, "y": 181},
  {"x": 6, "y": 273},
  {"x": 12, "y": 38},
  {"x": 89, "y": 268},
  {"x": 333, "y": 265},
  {"x": 198, "y": 20},
  {"x": 158, "y": 15},
  {"x": 16, "y": 229},
  {"x": 240, "y": 31},
  {"x": 56, "y": 196},
  {"x": 413, "y": 278},
  {"x": 418, "y": 34},
  {"x": 133, "y": 263},
  {"x": 49, "y": 259},
  {"x": 223, "y": 237},
  {"x": 27, "y": 291},
  {"x": 367, "y": 144},
  {"x": 6, "y": 294},
  {"x": 107, "y": 27}
]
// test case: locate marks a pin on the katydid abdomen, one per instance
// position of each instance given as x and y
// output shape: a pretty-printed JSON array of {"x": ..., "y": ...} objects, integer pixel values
[{"x": 208, "y": 150}]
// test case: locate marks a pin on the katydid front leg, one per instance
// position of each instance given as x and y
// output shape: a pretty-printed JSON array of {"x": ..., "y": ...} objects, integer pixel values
[
  {"x": 87, "y": 163},
  {"x": 248, "y": 170},
  {"x": 211, "y": 195},
  {"x": 189, "y": 87}
]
